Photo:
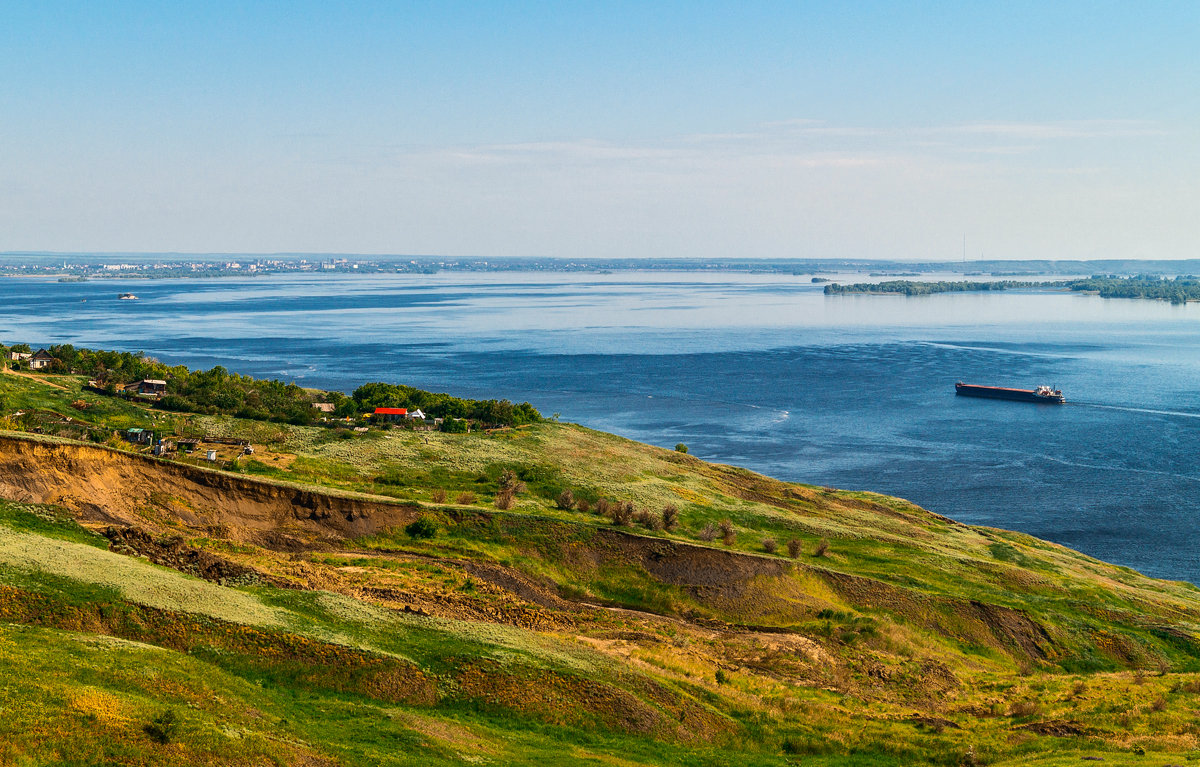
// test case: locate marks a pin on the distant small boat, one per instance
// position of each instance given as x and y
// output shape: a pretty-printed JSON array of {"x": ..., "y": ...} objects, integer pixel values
[{"x": 127, "y": 297}]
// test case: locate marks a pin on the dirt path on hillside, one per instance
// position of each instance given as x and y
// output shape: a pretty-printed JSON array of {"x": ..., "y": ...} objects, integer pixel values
[{"x": 32, "y": 377}]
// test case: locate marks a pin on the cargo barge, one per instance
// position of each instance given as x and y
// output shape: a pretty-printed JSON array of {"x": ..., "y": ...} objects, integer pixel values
[{"x": 1040, "y": 394}]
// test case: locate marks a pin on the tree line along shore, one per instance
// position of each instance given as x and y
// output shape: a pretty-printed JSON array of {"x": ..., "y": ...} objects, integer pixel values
[
  {"x": 1177, "y": 290},
  {"x": 218, "y": 391}
]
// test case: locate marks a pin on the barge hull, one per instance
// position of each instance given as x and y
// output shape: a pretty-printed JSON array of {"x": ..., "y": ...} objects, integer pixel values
[{"x": 999, "y": 392}]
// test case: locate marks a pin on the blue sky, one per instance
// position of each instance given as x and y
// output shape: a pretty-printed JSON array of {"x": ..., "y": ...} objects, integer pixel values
[{"x": 886, "y": 130}]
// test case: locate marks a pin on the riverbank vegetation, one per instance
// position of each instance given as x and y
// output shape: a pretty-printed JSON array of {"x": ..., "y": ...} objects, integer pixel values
[
  {"x": 1176, "y": 290},
  {"x": 911, "y": 288},
  {"x": 220, "y": 392}
]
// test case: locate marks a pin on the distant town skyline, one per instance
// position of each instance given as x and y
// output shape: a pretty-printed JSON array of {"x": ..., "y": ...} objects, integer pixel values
[{"x": 664, "y": 130}]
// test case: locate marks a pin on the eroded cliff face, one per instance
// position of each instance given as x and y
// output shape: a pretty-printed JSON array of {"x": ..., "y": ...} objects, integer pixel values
[{"x": 104, "y": 485}]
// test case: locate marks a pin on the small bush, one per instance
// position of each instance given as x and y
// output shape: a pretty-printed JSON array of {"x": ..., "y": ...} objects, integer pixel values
[
  {"x": 769, "y": 545},
  {"x": 648, "y": 519},
  {"x": 565, "y": 500},
  {"x": 1191, "y": 688},
  {"x": 708, "y": 534},
  {"x": 793, "y": 547},
  {"x": 465, "y": 499},
  {"x": 622, "y": 513},
  {"x": 438, "y": 496},
  {"x": 510, "y": 483},
  {"x": 583, "y": 505},
  {"x": 822, "y": 549},
  {"x": 504, "y": 500},
  {"x": 680, "y": 448},
  {"x": 163, "y": 727},
  {"x": 728, "y": 535},
  {"x": 670, "y": 517},
  {"x": 1023, "y": 708},
  {"x": 603, "y": 507},
  {"x": 722, "y": 677},
  {"x": 421, "y": 528},
  {"x": 1159, "y": 704}
]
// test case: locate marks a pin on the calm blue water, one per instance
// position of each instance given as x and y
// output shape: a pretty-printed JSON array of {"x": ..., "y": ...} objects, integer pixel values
[{"x": 762, "y": 371}]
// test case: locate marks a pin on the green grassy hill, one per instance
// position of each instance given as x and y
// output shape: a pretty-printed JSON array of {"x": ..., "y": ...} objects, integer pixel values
[{"x": 283, "y": 608}]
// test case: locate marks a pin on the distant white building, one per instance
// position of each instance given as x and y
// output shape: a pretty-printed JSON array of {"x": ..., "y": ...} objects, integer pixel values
[{"x": 41, "y": 359}]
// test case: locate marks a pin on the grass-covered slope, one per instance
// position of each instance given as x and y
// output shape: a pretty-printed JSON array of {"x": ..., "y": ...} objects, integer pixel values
[{"x": 283, "y": 611}]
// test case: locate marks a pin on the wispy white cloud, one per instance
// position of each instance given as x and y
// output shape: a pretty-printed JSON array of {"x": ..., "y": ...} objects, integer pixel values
[
  {"x": 1064, "y": 129},
  {"x": 800, "y": 143}
]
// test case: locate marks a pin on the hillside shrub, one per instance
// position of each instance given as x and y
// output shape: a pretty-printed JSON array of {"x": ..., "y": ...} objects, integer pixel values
[
  {"x": 509, "y": 482},
  {"x": 565, "y": 500},
  {"x": 438, "y": 496},
  {"x": 163, "y": 727},
  {"x": 1024, "y": 708},
  {"x": 793, "y": 548},
  {"x": 769, "y": 545},
  {"x": 622, "y": 513},
  {"x": 583, "y": 505},
  {"x": 670, "y": 517},
  {"x": 465, "y": 499},
  {"x": 650, "y": 520},
  {"x": 822, "y": 549},
  {"x": 728, "y": 535},
  {"x": 604, "y": 507},
  {"x": 708, "y": 534},
  {"x": 504, "y": 500},
  {"x": 422, "y": 528},
  {"x": 681, "y": 448}
]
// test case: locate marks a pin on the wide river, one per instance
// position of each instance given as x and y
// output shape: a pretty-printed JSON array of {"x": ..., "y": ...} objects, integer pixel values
[{"x": 763, "y": 371}]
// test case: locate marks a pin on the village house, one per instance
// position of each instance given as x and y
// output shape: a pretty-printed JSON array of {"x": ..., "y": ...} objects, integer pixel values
[
  {"x": 152, "y": 387},
  {"x": 324, "y": 407},
  {"x": 415, "y": 415},
  {"x": 40, "y": 359},
  {"x": 19, "y": 356},
  {"x": 138, "y": 436},
  {"x": 390, "y": 414}
]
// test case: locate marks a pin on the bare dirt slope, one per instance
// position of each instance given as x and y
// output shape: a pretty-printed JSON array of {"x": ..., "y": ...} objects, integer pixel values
[{"x": 104, "y": 485}]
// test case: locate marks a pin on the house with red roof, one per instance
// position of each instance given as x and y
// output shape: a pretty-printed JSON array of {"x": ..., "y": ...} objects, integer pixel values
[{"x": 391, "y": 414}]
